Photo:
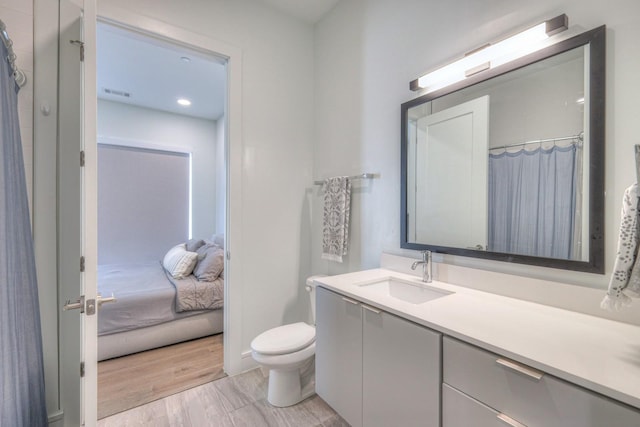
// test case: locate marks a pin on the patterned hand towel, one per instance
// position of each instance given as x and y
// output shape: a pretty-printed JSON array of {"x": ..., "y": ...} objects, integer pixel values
[
  {"x": 335, "y": 227},
  {"x": 625, "y": 279}
]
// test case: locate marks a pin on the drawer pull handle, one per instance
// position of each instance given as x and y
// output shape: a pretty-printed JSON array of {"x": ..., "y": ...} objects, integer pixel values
[
  {"x": 510, "y": 421},
  {"x": 371, "y": 309},
  {"x": 350, "y": 301},
  {"x": 536, "y": 375}
]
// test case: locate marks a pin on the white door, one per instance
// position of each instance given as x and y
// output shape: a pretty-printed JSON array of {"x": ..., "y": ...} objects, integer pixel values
[
  {"x": 453, "y": 143},
  {"x": 77, "y": 213}
]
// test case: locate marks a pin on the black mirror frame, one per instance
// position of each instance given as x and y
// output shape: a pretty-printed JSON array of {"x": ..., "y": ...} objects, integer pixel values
[{"x": 596, "y": 39}]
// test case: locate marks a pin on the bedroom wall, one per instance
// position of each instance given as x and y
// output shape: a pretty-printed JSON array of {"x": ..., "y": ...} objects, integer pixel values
[
  {"x": 366, "y": 54},
  {"x": 118, "y": 122}
]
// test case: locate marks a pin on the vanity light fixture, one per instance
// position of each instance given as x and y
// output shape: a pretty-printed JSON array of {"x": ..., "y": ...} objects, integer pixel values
[
  {"x": 492, "y": 55},
  {"x": 184, "y": 102}
]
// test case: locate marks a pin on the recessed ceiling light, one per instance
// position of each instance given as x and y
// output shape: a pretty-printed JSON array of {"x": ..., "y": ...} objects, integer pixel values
[
  {"x": 185, "y": 58},
  {"x": 184, "y": 102}
]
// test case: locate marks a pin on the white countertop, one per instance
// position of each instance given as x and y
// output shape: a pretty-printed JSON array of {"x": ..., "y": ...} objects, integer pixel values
[{"x": 598, "y": 354}]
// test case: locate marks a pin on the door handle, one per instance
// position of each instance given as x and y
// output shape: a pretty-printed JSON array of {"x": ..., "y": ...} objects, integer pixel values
[
  {"x": 78, "y": 304},
  {"x": 104, "y": 300}
]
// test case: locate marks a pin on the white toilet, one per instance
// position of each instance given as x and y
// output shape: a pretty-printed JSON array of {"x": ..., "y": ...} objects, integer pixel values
[{"x": 288, "y": 352}]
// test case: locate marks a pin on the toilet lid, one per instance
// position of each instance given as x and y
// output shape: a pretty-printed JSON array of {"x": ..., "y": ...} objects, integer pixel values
[{"x": 284, "y": 339}]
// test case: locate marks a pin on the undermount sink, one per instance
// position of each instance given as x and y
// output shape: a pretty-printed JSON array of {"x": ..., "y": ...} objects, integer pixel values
[{"x": 412, "y": 292}]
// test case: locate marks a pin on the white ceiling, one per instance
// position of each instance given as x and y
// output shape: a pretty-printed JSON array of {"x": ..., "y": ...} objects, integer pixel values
[{"x": 154, "y": 75}]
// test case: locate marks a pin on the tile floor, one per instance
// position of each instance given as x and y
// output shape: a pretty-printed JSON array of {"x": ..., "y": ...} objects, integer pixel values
[{"x": 232, "y": 401}]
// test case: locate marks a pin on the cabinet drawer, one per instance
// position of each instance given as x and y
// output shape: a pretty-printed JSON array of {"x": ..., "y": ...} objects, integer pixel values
[
  {"x": 459, "y": 410},
  {"x": 531, "y": 397}
]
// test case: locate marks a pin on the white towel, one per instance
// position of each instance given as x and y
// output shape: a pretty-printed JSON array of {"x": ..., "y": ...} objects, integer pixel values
[
  {"x": 335, "y": 227},
  {"x": 625, "y": 279}
]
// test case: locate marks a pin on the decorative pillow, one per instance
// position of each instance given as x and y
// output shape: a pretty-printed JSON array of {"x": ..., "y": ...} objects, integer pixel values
[
  {"x": 179, "y": 262},
  {"x": 194, "y": 244},
  {"x": 211, "y": 265}
]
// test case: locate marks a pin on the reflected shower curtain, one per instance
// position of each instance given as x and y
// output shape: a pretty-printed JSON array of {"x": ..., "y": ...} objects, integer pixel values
[
  {"x": 532, "y": 202},
  {"x": 22, "y": 399}
]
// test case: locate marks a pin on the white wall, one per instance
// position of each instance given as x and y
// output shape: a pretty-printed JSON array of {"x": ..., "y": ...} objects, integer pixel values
[
  {"x": 125, "y": 123},
  {"x": 277, "y": 132},
  {"x": 366, "y": 54}
]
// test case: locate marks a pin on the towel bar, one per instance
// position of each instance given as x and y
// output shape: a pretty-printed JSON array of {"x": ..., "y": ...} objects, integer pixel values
[{"x": 361, "y": 176}]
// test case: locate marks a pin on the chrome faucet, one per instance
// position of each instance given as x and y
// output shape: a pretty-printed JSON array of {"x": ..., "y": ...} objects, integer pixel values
[{"x": 426, "y": 266}]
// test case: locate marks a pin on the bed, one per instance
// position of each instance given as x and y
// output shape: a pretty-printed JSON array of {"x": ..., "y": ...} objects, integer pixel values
[{"x": 154, "y": 308}]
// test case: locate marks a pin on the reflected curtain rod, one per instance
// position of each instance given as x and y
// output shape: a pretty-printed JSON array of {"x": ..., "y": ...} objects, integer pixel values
[
  {"x": 18, "y": 74},
  {"x": 579, "y": 137},
  {"x": 361, "y": 176}
]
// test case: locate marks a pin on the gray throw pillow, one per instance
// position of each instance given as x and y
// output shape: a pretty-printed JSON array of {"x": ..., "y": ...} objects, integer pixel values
[
  {"x": 210, "y": 265},
  {"x": 194, "y": 244}
]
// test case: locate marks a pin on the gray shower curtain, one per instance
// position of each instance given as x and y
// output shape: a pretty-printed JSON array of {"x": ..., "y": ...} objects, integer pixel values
[
  {"x": 532, "y": 202},
  {"x": 22, "y": 397}
]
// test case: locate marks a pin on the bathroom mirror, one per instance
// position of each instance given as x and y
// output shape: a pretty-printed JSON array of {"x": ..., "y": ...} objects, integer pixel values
[{"x": 509, "y": 164}]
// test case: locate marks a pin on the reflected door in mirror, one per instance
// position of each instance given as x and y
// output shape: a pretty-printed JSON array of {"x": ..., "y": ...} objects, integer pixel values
[{"x": 450, "y": 170}]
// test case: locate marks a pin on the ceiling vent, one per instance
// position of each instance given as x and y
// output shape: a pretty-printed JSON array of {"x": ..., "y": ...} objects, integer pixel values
[{"x": 116, "y": 92}]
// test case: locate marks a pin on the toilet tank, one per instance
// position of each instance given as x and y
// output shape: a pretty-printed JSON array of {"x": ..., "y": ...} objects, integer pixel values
[{"x": 311, "y": 288}]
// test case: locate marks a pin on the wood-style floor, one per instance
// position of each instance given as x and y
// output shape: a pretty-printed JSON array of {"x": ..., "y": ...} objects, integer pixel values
[
  {"x": 130, "y": 381},
  {"x": 232, "y": 401}
]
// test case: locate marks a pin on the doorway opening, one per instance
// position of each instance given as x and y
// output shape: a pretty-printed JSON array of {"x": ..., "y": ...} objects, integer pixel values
[{"x": 161, "y": 217}]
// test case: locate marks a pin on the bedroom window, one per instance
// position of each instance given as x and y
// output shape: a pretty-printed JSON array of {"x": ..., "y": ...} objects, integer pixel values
[{"x": 144, "y": 202}]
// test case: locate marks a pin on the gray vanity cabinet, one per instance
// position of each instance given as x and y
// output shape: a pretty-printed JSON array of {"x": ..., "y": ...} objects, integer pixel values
[
  {"x": 374, "y": 368},
  {"x": 485, "y": 390},
  {"x": 339, "y": 354},
  {"x": 400, "y": 372}
]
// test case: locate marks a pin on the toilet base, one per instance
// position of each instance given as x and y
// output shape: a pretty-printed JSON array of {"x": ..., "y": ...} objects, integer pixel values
[{"x": 288, "y": 387}]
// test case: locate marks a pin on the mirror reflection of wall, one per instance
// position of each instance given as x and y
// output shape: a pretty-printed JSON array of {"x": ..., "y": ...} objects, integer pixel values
[{"x": 541, "y": 101}]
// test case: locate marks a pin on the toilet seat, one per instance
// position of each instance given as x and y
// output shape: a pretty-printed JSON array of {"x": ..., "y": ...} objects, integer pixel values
[
  {"x": 284, "y": 339},
  {"x": 286, "y": 362}
]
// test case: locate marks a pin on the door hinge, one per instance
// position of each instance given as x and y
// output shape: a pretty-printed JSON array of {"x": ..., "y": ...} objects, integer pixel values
[
  {"x": 81, "y": 369},
  {"x": 82, "y": 264},
  {"x": 81, "y": 44},
  {"x": 82, "y": 159}
]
